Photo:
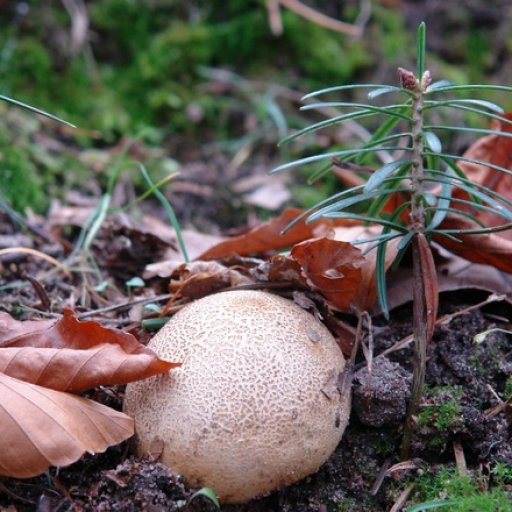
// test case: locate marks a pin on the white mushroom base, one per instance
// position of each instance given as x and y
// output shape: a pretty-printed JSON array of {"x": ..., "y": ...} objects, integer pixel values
[{"x": 256, "y": 404}]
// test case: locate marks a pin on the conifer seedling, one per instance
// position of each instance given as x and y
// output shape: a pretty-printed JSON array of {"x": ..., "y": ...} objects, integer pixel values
[{"x": 424, "y": 177}]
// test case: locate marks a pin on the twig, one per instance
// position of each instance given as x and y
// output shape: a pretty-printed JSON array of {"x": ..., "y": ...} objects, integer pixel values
[
  {"x": 402, "y": 498},
  {"x": 39, "y": 254},
  {"x": 40, "y": 291},
  {"x": 316, "y": 17},
  {"x": 126, "y": 305},
  {"x": 460, "y": 459},
  {"x": 493, "y": 297}
]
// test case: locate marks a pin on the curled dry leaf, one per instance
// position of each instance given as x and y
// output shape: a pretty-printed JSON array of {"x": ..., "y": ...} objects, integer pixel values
[
  {"x": 200, "y": 278},
  {"x": 366, "y": 293},
  {"x": 42, "y": 427},
  {"x": 332, "y": 268},
  {"x": 69, "y": 355}
]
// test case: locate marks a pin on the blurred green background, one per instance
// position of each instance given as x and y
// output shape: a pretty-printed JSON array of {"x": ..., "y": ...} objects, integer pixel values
[{"x": 190, "y": 80}]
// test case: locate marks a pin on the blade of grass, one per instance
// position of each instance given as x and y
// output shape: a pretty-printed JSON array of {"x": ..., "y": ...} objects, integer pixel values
[
  {"x": 35, "y": 110},
  {"x": 169, "y": 210}
]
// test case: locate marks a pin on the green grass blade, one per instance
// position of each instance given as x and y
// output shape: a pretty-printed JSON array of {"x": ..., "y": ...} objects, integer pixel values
[
  {"x": 99, "y": 214},
  {"x": 169, "y": 210},
  {"x": 35, "y": 110},
  {"x": 431, "y": 505},
  {"x": 500, "y": 212}
]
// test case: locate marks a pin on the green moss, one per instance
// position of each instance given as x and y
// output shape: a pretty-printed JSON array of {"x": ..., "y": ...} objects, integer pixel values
[
  {"x": 19, "y": 179},
  {"x": 455, "y": 493},
  {"x": 508, "y": 389},
  {"x": 441, "y": 415}
]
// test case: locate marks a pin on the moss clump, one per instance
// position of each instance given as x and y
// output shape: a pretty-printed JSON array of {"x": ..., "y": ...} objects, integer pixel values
[
  {"x": 19, "y": 179},
  {"x": 451, "y": 492},
  {"x": 441, "y": 416}
]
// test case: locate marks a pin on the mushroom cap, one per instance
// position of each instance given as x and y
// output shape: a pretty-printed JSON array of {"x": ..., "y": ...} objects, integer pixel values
[{"x": 257, "y": 403}]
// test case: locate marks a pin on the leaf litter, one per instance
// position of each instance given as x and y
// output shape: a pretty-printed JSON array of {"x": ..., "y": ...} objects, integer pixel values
[{"x": 314, "y": 264}]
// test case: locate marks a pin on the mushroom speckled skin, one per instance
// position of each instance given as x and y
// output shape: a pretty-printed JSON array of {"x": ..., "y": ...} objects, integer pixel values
[{"x": 257, "y": 403}]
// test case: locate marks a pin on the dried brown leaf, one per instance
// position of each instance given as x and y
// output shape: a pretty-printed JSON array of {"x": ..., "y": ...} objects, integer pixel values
[
  {"x": 366, "y": 293},
  {"x": 268, "y": 236},
  {"x": 489, "y": 249},
  {"x": 200, "y": 278},
  {"x": 496, "y": 150},
  {"x": 42, "y": 427},
  {"x": 429, "y": 283},
  {"x": 69, "y": 355},
  {"x": 332, "y": 268}
]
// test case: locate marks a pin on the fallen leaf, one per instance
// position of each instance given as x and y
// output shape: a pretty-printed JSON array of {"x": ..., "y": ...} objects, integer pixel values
[
  {"x": 366, "y": 293},
  {"x": 429, "y": 286},
  {"x": 497, "y": 150},
  {"x": 42, "y": 427},
  {"x": 269, "y": 236},
  {"x": 69, "y": 355},
  {"x": 490, "y": 249},
  {"x": 332, "y": 268},
  {"x": 199, "y": 278}
]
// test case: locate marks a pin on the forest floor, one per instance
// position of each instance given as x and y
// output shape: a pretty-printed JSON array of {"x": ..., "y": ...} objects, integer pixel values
[{"x": 465, "y": 418}]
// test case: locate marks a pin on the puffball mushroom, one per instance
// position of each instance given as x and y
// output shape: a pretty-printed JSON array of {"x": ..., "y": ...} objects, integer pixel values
[{"x": 257, "y": 403}]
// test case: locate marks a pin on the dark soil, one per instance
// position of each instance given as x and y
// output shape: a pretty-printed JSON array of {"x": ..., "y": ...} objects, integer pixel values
[{"x": 354, "y": 478}]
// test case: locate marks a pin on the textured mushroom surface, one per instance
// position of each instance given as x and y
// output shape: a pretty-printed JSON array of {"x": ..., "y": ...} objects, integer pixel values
[{"x": 257, "y": 403}]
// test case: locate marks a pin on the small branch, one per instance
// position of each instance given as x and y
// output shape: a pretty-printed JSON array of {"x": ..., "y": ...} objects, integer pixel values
[{"x": 276, "y": 24}]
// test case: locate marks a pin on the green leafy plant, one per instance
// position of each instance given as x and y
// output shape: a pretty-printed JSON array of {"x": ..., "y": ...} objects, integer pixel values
[{"x": 412, "y": 196}]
